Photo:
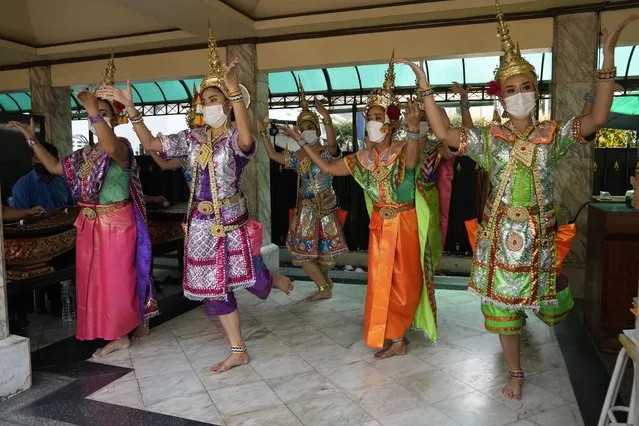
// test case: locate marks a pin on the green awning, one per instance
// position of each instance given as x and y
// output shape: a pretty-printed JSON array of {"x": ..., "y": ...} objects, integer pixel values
[
  {"x": 628, "y": 105},
  {"x": 362, "y": 78}
]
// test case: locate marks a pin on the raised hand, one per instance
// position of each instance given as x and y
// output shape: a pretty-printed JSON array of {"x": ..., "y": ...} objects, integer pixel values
[
  {"x": 230, "y": 76},
  {"x": 89, "y": 101},
  {"x": 264, "y": 123},
  {"x": 460, "y": 90},
  {"x": 111, "y": 93},
  {"x": 27, "y": 131},
  {"x": 290, "y": 131},
  {"x": 321, "y": 110},
  {"x": 422, "y": 81},
  {"x": 610, "y": 40},
  {"x": 412, "y": 116}
]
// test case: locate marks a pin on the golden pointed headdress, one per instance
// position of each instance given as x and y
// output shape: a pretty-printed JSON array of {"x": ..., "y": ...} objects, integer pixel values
[
  {"x": 108, "y": 79},
  {"x": 215, "y": 75},
  {"x": 512, "y": 62},
  {"x": 385, "y": 96},
  {"x": 306, "y": 114}
]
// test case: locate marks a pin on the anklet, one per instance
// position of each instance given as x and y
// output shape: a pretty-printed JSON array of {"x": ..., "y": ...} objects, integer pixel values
[
  {"x": 238, "y": 349},
  {"x": 400, "y": 340},
  {"x": 519, "y": 374},
  {"x": 326, "y": 287}
]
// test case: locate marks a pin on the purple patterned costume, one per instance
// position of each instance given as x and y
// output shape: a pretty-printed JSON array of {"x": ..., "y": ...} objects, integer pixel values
[{"x": 217, "y": 248}]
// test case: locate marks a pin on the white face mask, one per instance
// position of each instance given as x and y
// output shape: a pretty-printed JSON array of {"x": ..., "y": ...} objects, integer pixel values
[
  {"x": 423, "y": 129},
  {"x": 214, "y": 115},
  {"x": 521, "y": 105},
  {"x": 92, "y": 129},
  {"x": 374, "y": 131},
  {"x": 310, "y": 136}
]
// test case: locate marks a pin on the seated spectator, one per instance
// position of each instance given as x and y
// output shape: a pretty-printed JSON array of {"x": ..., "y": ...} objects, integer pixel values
[{"x": 41, "y": 188}]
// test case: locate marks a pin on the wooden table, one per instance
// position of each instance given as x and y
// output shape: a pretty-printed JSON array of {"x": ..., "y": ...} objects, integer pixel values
[{"x": 611, "y": 272}]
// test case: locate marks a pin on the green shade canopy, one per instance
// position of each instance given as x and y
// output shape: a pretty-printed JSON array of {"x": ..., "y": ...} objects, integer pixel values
[
  {"x": 628, "y": 105},
  {"x": 363, "y": 78},
  {"x": 476, "y": 71}
]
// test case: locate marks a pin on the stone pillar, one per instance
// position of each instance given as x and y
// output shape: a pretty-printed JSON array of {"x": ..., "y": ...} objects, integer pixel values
[
  {"x": 257, "y": 178},
  {"x": 574, "y": 63},
  {"x": 54, "y": 103},
  {"x": 15, "y": 352}
]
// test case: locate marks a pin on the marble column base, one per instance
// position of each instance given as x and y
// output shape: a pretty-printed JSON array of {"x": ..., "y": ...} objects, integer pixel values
[
  {"x": 15, "y": 366},
  {"x": 271, "y": 255}
]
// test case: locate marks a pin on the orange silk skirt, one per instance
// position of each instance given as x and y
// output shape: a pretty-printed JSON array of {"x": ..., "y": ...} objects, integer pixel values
[{"x": 395, "y": 279}]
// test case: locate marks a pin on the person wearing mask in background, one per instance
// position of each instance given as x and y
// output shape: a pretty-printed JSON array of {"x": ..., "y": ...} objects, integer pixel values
[
  {"x": 397, "y": 294},
  {"x": 315, "y": 235}
]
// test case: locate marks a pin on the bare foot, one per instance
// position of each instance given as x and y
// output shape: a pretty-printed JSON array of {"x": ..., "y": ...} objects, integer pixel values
[
  {"x": 395, "y": 349},
  {"x": 141, "y": 331},
  {"x": 232, "y": 361},
  {"x": 283, "y": 283},
  {"x": 321, "y": 294},
  {"x": 387, "y": 344},
  {"x": 115, "y": 345},
  {"x": 512, "y": 389}
]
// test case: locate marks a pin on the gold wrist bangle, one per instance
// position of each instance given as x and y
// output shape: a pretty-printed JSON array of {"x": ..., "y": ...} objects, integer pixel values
[
  {"x": 426, "y": 92},
  {"x": 328, "y": 122},
  {"x": 606, "y": 73}
]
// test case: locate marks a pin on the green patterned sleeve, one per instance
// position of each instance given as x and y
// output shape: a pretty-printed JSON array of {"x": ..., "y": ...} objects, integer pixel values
[
  {"x": 475, "y": 143},
  {"x": 569, "y": 133}
]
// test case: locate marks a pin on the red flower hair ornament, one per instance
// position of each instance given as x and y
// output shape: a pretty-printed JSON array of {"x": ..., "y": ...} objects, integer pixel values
[
  {"x": 118, "y": 107},
  {"x": 393, "y": 112},
  {"x": 494, "y": 88}
]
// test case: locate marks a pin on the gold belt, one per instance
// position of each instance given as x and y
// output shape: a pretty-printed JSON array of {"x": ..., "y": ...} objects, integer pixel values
[
  {"x": 520, "y": 213},
  {"x": 221, "y": 230},
  {"x": 391, "y": 211},
  {"x": 93, "y": 211},
  {"x": 319, "y": 202},
  {"x": 207, "y": 208}
]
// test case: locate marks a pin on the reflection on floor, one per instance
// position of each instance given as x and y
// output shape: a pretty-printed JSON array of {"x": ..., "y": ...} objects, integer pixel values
[
  {"x": 44, "y": 330},
  {"x": 310, "y": 366}
]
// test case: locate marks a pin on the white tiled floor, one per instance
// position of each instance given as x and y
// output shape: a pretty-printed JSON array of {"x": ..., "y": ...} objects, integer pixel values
[{"x": 310, "y": 366}]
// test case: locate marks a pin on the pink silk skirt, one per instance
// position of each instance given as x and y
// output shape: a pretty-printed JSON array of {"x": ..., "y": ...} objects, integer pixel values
[{"x": 106, "y": 297}]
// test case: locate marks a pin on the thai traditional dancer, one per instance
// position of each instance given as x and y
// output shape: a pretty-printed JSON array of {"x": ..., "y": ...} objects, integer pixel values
[
  {"x": 219, "y": 255},
  {"x": 385, "y": 169},
  {"x": 114, "y": 289},
  {"x": 315, "y": 235},
  {"x": 518, "y": 246}
]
